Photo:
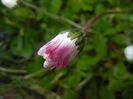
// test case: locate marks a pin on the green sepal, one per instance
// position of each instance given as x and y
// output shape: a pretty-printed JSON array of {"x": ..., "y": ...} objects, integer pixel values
[
  {"x": 80, "y": 40},
  {"x": 74, "y": 34},
  {"x": 62, "y": 32}
]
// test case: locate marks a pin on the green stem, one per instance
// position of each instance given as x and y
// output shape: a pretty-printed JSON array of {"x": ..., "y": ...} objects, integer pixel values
[
  {"x": 35, "y": 73},
  {"x": 53, "y": 16},
  {"x": 12, "y": 70},
  {"x": 85, "y": 81}
]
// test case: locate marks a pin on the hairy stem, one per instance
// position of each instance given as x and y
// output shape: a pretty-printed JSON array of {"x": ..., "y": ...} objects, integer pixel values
[{"x": 93, "y": 20}]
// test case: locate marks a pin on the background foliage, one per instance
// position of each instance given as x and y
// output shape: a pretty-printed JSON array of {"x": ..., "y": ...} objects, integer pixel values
[{"x": 100, "y": 71}]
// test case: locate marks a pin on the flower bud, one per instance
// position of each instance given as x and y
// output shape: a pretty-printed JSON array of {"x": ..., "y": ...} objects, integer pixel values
[
  {"x": 129, "y": 52},
  {"x": 60, "y": 50},
  {"x": 9, "y": 3}
]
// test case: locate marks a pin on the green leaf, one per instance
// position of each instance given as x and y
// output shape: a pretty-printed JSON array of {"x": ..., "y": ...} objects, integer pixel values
[
  {"x": 35, "y": 65},
  {"x": 46, "y": 81},
  {"x": 120, "y": 71},
  {"x": 101, "y": 45},
  {"x": 69, "y": 94},
  {"x": 106, "y": 93},
  {"x": 87, "y": 63},
  {"x": 99, "y": 8},
  {"x": 76, "y": 5},
  {"x": 20, "y": 48},
  {"x": 91, "y": 91},
  {"x": 55, "y": 6},
  {"x": 121, "y": 39},
  {"x": 122, "y": 26},
  {"x": 106, "y": 26},
  {"x": 117, "y": 85},
  {"x": 22, "y": 13},
  {"x": 72, "y": 80},
  {"x": 128, "y": 90}
]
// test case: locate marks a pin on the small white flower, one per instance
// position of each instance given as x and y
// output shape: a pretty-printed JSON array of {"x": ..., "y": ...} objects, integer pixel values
[
  {"x": 9, "y": 3},
  {"x": 129, "y": 52}
]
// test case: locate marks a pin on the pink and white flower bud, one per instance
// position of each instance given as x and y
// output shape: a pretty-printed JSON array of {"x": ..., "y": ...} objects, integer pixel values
[{"x": 59, "y": 51}]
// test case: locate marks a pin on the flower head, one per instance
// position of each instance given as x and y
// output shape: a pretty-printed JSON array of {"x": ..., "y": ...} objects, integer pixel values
[
  {"x": 129, "y": 52},
  {"x": 9, "y": 3},
  {"x": 60, "y": 50}
]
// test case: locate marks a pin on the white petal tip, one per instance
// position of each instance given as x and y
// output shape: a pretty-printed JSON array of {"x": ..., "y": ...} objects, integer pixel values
[{"x": 45, "y": 65}]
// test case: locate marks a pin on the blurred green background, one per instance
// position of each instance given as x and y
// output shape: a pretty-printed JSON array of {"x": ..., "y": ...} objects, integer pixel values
[{"x": 100, "y": 71}]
